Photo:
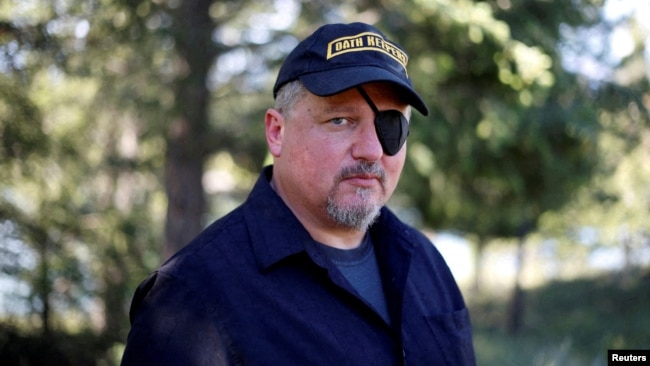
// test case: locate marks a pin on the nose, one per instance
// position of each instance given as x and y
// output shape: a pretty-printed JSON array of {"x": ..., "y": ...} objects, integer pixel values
[{"x": 367, "y": 146}]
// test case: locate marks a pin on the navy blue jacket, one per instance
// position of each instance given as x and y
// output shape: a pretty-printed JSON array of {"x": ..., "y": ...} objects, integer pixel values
[{"x": 255, "y": 289}]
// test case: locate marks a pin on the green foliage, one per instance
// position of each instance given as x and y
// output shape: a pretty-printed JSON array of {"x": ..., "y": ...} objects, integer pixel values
[
  {"x": 20, "y": 125},
  {"x": 77, "y": 187},
  {"x": 568, "y": 323},
  {"x": 512, "y": 133}
]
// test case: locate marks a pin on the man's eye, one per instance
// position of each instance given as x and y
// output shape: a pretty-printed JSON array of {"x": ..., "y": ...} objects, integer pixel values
[{"x": 339, "y": 121}]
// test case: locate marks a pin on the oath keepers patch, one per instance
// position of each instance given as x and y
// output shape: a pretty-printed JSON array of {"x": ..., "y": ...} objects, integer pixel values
[{"x": 366, "y": 41}]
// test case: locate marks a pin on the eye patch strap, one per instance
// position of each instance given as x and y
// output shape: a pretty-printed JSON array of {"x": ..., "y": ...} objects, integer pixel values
[
  {"x": 368, "y": 100},
  {"x": 391, "y": 126}
]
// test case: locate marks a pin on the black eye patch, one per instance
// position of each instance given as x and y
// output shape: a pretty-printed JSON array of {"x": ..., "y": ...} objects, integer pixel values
[{"x": 391, "y": 126}]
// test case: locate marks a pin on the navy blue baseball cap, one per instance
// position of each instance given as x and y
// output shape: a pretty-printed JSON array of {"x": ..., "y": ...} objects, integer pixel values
[{"x": 337, "y": 57}]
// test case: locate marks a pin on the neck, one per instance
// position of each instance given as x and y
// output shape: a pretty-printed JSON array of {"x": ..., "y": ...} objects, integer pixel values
[{"x": 341, "y": 239}]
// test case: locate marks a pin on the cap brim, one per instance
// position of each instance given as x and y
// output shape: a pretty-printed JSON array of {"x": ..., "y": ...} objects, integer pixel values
[{"x": 334, "y": 81}]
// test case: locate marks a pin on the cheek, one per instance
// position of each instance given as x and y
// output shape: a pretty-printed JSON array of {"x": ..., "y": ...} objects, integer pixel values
[
  {"x": 319, "y": 148},
  {"x": 315, "y": 157},
  {"x": 322, "y": 161}
]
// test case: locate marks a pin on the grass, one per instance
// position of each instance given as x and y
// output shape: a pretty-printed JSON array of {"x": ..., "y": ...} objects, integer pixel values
[{"x": 566, "y": 323}]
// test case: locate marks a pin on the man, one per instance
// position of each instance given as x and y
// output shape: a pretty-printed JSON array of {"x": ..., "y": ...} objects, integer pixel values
[{"x": 312, "y": 269}]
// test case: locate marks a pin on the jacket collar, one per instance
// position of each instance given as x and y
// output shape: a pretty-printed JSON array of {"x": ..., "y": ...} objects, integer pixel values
[{"x": 277, "y": 234}]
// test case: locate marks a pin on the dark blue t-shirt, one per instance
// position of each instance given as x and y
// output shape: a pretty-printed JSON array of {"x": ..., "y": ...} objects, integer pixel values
[{"x": 359, "y": 267}]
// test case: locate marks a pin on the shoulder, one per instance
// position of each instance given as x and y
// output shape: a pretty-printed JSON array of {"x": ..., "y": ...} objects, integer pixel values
[
  {"x": 204, "y": 265},
  {"x": 390, "y": 226},
  {"x": 223, "y": 241},
  {"x": 425, "y": 257}
]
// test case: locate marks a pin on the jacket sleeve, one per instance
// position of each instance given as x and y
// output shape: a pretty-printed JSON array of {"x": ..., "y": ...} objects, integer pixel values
[{"x": 170, "y": 325}]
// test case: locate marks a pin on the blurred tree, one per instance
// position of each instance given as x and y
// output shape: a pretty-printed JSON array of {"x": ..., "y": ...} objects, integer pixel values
[
  {"x": 76, "y": 204},
  {"x": 609, "y": 212},
  {"x": 191, "y": 31}
]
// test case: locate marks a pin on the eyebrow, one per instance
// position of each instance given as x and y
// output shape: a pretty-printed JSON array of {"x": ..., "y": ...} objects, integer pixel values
[{"x": 337, "y": 108}]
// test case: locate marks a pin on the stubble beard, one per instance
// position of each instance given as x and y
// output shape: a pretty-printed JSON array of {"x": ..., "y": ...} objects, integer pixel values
[{"x": 360, "y": 212}]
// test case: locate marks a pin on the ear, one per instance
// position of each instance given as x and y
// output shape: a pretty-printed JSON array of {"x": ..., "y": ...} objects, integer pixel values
[{"x": 274, "y": 123}]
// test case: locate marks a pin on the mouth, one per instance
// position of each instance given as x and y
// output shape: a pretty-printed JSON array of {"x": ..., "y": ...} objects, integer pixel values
[
  {"x": 363, "y": 180},
  {"x": 363, "y": 175}
]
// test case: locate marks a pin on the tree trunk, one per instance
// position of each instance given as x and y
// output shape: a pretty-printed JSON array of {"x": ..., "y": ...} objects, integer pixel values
[
  {"x": 515, "y": 315},
  {"x": 44, "y": 287},
  {"x": 515, "y": 310},
  {"x": 183, "y": 173},
  {"x": 186, "y": 148},
  {"x": 479, "y": 253}
]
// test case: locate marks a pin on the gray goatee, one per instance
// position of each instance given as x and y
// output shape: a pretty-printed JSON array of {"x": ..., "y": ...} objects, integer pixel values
[{"x": 360, "y": 212}]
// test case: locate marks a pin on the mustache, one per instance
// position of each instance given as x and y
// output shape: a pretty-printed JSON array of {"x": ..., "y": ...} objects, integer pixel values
[{"x": 364, "y": 168}]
